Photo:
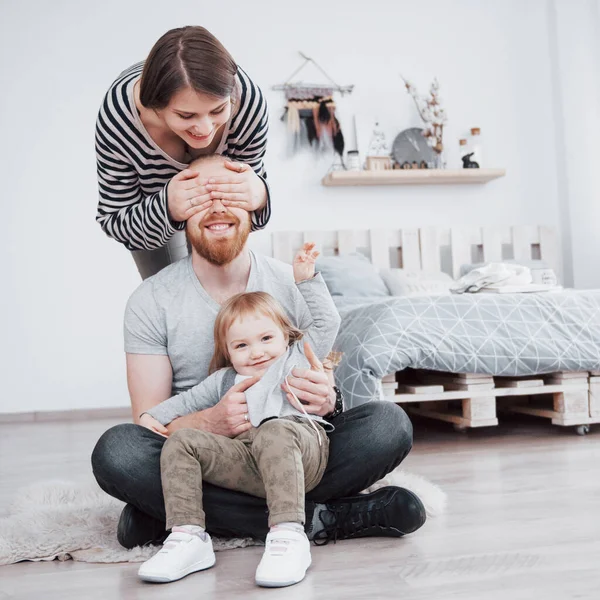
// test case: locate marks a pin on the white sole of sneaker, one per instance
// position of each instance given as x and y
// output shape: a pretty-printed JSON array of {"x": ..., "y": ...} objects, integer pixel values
[
  {"x": 272, "y": 583},
  {"x": 207, "y": 563}
]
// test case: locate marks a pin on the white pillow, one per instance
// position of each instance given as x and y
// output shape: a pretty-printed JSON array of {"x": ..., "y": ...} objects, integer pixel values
[{"x": 402, "y": 282}]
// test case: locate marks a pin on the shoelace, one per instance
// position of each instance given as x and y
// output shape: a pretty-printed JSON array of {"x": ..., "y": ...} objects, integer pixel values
[
  {"x": 302, "y": 407},
  {"x": 348, "y": 522}
]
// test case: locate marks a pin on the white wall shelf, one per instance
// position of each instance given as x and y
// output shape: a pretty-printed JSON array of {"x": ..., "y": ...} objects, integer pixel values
[{"x": 412, "y": 177}]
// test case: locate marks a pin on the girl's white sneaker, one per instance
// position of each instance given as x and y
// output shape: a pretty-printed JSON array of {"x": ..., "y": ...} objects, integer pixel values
[
  {"x": 285, "y": 560},
  {"x": 182, "y": 553}
]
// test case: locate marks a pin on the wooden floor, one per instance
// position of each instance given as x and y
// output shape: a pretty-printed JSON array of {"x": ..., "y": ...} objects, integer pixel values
[{"x": 523, "y": 522}]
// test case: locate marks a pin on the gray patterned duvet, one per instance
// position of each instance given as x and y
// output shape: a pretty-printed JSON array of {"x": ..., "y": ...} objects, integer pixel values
[{"x": 497, "y": 334}]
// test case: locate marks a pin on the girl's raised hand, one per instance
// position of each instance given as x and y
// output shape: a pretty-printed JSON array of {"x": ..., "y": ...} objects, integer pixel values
[{"x": 304, "y": 262}]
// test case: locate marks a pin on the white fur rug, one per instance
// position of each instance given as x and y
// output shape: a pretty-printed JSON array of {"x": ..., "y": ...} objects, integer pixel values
[{"x": 62, "y": 520}]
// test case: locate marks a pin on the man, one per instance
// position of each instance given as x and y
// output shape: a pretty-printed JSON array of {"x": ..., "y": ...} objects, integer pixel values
[{"x": 169, "y": 343}]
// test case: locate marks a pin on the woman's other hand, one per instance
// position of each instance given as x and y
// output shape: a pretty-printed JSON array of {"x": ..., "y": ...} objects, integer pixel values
[{"x": 242, "y": 189}]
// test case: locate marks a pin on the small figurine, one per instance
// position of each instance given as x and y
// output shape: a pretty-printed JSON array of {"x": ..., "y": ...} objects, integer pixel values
[
  {"x": 468, "y": 163},
  {"x": 423, "y": 165}
]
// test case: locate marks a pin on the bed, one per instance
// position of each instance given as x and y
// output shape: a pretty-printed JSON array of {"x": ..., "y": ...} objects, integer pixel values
[{"x": 463, "y": 358}]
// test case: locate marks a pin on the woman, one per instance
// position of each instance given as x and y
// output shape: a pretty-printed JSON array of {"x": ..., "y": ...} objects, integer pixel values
[{"x": 187, "y": 99}]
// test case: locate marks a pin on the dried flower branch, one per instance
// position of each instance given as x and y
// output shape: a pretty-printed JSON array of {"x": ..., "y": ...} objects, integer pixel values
[{"x": 432, "y": 113}]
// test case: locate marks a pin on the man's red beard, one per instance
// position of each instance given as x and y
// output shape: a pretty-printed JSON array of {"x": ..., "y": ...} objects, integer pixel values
[{"x": 219, "y": 251}]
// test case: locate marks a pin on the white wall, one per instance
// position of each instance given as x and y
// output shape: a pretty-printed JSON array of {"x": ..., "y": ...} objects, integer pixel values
[
  {"x": 67, "y": 283},
  {"x": 575, "y": 42}
]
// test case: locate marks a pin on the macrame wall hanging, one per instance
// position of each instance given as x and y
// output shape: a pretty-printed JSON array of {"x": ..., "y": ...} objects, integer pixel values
[{"x": 310, "y": 112}]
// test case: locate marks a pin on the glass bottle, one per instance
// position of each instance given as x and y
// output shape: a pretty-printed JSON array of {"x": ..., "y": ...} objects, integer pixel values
[
  {"x": 475, "y": 146},
  {"x": 353, "y": 160},
  {"x": 463, "y": 149}
]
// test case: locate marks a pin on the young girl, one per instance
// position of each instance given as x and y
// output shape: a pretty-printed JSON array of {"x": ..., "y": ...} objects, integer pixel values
[{"x": 280, "y": 458}]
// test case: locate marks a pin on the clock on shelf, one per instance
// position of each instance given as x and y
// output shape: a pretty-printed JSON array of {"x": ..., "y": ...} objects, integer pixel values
[{"x": 410, "y": 146}]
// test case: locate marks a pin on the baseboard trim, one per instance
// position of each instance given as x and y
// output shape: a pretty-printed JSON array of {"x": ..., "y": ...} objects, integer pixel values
[{"x": 80, "y": 414}]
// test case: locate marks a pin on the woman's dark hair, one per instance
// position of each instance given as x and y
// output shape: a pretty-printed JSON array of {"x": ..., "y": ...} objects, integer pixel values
[{"x": 186, "y": 57}]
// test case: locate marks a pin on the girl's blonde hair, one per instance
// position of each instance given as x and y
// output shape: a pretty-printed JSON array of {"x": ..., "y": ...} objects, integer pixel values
[{"x": 242, "y": 305}]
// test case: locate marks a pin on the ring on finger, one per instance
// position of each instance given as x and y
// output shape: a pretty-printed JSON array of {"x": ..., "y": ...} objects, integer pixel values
[{"x": 191, "y": 203}]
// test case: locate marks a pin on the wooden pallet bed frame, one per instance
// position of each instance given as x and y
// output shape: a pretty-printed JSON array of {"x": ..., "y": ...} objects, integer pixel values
[
  {"x": 465, "y": 400},
  {"x": 471, "y": 400}
]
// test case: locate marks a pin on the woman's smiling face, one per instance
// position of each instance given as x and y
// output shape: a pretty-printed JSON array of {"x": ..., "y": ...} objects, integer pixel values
[{"x": 196, "y": 117}]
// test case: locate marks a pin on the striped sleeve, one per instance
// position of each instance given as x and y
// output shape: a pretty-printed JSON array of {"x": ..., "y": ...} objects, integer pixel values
[
  {"x": 125, "y": 213},
  {"x": 250, "y": 130}
]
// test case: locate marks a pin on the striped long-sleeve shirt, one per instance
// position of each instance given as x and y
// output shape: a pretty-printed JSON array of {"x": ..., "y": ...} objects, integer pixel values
[{"x": 133, "y": 171}]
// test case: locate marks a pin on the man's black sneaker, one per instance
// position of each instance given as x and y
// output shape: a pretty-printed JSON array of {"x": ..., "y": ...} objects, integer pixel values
[
  {"x": 139, "y": 529},
  {"x": 387, "y": 512}
]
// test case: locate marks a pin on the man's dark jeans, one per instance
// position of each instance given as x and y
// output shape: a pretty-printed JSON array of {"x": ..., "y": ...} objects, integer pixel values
[{"x": 369, "y": 441}]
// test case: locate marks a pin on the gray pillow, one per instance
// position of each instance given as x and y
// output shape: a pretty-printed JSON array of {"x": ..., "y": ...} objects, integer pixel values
[{"x": 351, "y": 275}]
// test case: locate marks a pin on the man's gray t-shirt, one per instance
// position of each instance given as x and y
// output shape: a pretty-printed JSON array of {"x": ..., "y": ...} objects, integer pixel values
[{"x": 171, "y": 314}]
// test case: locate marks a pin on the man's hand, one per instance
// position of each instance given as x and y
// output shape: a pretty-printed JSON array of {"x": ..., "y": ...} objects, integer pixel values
[
  {"x": 229, "y": 417},
  {"x": 313, "y": 387}
]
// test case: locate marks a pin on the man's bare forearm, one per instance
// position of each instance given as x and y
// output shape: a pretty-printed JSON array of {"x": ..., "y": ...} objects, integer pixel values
[{"x": 149, "y": 379}]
